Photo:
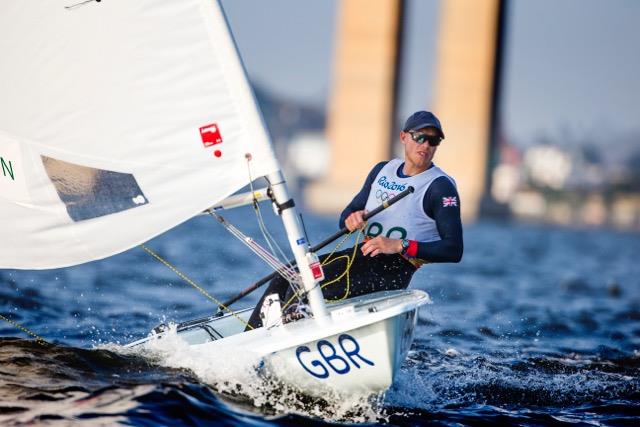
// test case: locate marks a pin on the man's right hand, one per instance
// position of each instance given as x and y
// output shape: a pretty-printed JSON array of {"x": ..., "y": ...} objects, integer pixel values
[{"x": 355, "y": 221}]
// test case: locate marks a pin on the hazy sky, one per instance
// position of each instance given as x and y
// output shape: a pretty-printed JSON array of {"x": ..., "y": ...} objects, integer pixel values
[
  {"x": 286, "y": 45},
  {"x": 571, "y": 65}
]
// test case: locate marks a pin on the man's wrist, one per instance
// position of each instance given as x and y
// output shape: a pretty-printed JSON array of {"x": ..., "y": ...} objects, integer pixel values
[
  {"x": 404, "y": 246},
  {"x": 409, "y": 248}
]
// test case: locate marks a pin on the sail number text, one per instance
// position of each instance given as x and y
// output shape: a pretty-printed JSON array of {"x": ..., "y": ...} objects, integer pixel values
[
  {"x": 338, "y": 359},
  {"x": 7, "y": 168}
]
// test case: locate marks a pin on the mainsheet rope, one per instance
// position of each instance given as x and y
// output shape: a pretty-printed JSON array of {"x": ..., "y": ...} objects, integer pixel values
[
  {"x": 38, "y": 338},
  {"x": 326, "y": 261},
  {"x": 194, "y": 284}
]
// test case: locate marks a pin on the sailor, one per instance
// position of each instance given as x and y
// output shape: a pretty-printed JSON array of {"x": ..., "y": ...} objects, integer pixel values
[{"x": 424, "y": 227}]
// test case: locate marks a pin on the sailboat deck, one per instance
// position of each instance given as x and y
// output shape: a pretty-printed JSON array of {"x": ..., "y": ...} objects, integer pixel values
[{"x": 205, "y": 330}]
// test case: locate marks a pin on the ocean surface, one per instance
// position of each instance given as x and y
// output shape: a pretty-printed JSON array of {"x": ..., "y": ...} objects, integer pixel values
[{"x": 536, "y": 326}]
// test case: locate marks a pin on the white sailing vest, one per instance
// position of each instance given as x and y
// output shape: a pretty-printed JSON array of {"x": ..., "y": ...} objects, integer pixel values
[{"x": 405, "y": 219}]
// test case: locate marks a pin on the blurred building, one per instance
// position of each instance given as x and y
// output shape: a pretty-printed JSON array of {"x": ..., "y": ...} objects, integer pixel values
[
  {"x": 547, "y": 166},
  {"x": 573, "y": 187}
]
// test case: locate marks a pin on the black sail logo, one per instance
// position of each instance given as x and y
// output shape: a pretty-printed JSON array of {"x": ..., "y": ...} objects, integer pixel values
[{"x": 89, "y": 192}]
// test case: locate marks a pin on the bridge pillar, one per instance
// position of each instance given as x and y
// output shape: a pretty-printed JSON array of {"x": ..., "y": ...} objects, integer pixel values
[
  {"x": 361, "y": 111},
  {"x": 465, "y": 93}
]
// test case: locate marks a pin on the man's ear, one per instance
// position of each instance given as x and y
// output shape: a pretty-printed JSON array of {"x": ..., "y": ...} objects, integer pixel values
[{"x": 402, "y": 137}]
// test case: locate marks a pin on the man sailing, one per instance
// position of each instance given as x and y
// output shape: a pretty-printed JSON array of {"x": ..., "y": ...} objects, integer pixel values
[{"x": 422, "y": 228}]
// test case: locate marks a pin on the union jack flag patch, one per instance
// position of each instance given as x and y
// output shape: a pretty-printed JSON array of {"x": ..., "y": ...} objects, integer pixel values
[{"x": 449, "y": 201}]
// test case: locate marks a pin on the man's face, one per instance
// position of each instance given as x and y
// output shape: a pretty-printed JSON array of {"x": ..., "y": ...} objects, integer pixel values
[{"x": 418, "y": 156}]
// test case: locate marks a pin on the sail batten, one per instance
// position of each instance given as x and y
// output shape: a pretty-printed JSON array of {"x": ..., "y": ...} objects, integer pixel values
[{"x": 119, "y": 120}]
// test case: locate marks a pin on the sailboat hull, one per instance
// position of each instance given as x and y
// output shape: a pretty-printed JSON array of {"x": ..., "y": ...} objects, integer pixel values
[
  {"x": 357, "y": 361},
  {"x": 357, "y": 350}
]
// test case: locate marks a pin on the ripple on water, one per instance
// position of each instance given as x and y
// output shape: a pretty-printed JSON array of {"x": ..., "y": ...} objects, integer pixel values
[
  {"x": 530, "y": 328},
  {"x": 435, "y": 380}
]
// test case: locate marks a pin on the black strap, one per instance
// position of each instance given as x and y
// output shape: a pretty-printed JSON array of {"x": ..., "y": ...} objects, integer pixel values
[
  {"x": 281, "y": 207},
  {"x": 286, "y": 205}
]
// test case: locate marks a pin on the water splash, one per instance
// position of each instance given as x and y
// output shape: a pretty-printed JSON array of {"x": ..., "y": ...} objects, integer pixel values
[{"x": 237, "y": 375}]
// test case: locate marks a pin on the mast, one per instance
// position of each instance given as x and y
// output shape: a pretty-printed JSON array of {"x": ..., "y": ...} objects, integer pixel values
[{"x": 298, "y": 244}]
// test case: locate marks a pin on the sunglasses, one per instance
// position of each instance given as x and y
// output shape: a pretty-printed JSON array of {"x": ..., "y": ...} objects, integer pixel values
[{"x": 421, "y": 138}]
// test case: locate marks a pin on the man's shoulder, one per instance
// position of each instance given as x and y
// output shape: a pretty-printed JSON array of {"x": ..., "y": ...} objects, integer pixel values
[
  {"x": 381, "y": 164},
  {"x": 377, "y": 168},
  {"x": 442, "y": 193},
  {"x": 393, "y": 163},
  {"x": 443, "y": 178}
]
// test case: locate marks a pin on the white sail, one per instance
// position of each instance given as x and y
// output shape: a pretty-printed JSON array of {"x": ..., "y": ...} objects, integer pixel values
[{"x": 119, "y": 119}]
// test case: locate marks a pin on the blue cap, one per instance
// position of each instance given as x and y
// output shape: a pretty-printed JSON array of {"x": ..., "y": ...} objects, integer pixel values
[{"x": 421, "y": 120}]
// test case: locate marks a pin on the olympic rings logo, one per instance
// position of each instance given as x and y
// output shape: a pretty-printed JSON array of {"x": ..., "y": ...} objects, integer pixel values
[{"x": 384, "y": 196}]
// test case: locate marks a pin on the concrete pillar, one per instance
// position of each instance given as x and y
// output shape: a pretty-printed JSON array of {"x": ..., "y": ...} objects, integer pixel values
[
  {"x": 464, "y": 88},
  {"x": 361, "y": 107}
]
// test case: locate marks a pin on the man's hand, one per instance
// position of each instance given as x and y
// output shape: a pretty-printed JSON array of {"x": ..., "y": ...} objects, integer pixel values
[
  {"x": 355, "y": 221},
  {"x": 381, "y": 245}
]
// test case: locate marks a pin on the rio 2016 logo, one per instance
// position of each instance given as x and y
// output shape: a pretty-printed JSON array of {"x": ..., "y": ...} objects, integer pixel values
[
  {"x": 391, "y": 186},
  {"x": 330, "y": 357}
]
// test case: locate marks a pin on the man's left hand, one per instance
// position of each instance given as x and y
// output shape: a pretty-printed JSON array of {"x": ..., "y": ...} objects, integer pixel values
[{"x": 381, "y": 245}]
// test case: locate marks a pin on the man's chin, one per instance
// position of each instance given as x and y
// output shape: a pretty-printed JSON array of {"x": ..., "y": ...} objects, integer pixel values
[{"x": 423, "y": 163}]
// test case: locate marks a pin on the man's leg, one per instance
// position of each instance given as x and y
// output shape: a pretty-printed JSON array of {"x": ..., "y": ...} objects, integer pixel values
[
  {"x": 368, "y": 274},
  {"x": 276, "y": 286},
  {"x": 365, "y": 275},
  {"x": 281, "y": 287}
]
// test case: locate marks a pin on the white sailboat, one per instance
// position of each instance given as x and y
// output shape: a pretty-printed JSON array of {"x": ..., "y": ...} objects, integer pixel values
[{"x": 121, "y": 119}]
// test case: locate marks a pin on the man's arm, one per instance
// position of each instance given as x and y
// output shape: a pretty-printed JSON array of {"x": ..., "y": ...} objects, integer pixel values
[
  {"x": 360, "y": 200},
  {"x": 442, "y": 203}
]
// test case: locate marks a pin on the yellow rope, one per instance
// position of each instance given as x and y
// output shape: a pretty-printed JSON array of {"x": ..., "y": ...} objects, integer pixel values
[
  {"x": 340, "y": 243},
  {"x": 184, "y": 277},
  {"x": 327, "y": 260},
  {"x": 38, "y": 338},
  {"x": 192, "y": 283},
  {"x": 346, "y": 271}
]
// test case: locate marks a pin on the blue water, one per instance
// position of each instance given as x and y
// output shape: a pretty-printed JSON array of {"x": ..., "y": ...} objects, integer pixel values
[{"x": 537, "y": 325}]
